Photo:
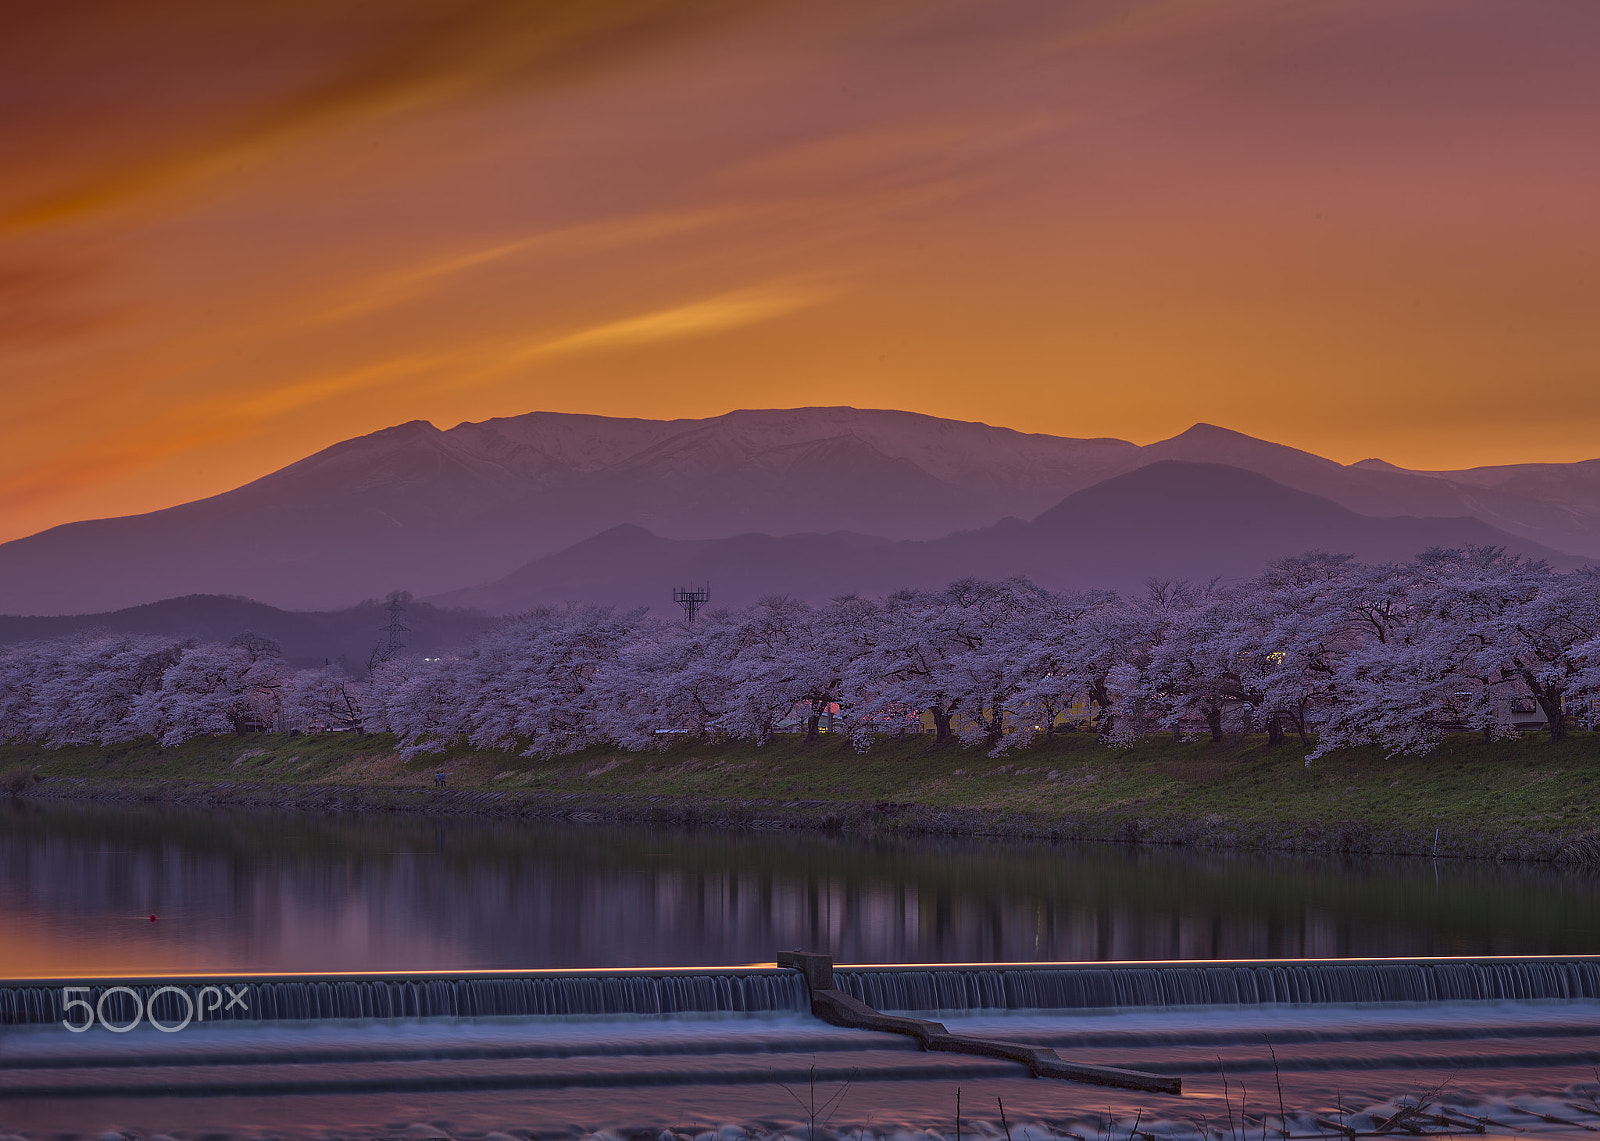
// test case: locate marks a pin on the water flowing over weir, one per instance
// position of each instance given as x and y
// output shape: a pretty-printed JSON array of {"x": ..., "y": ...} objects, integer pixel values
[
  {"x": 319, "y": 1057},
  {"x": 1033, "y": 986},
  {"x": 418, "y": 996},
  {"x": 1098, "y": 985}
]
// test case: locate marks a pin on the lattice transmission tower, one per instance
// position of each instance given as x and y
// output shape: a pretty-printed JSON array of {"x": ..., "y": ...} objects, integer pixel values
[
  {"x": 691, "y": 599},
  {"x": 394, "y": 631}
]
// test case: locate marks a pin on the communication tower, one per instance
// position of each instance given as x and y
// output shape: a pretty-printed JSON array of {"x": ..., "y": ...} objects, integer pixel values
[{"x": 691, "y": 598}]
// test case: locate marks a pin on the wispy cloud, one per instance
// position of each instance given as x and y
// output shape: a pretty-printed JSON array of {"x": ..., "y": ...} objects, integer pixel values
[
  {"x": 308, "y": 393},
  {"x": 465, "y": 365},
  {"x": 298, "y": 67},
  {"x": 404, "y": 284},
  {"x": 712, "y": 315}
]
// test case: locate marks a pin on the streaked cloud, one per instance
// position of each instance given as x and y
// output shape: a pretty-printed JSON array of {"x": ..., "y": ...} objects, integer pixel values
[
  {"x": 697, "y": 319},
  {"x": 49, "y": 299},
  {"x": 315, "y": 67},
  {"x": 399, "y": 286}
]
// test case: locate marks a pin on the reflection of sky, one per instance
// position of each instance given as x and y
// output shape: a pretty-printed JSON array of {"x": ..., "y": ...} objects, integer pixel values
[
  {"x": 246, "y": 892},
  {"x": 231, "y": 234},
  {"x": 92, "y": 915}
]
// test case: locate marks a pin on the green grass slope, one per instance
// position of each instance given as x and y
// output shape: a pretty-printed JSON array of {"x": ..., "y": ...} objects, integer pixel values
[{"x": 1527, "y": 798}]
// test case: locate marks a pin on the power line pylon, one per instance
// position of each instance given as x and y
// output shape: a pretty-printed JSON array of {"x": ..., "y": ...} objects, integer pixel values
[{"x": 394, "y": 630}]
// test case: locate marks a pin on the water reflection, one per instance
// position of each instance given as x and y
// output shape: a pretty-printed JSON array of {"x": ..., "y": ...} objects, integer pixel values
[{"x": 236, "y": 891}]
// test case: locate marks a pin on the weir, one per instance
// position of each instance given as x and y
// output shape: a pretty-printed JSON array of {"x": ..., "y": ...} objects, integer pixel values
[
  {"x": 422, "y": 995},
  {"x": 932, "y": 987},
  {"x": 1084, "y": 986}
]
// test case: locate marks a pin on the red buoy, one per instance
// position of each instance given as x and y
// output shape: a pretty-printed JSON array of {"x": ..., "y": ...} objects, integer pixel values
[{"x": 152, "y": 919}]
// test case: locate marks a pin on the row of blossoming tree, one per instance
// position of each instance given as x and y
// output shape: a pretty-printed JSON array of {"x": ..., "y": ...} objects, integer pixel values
[{"x": 1335, "y": 651}]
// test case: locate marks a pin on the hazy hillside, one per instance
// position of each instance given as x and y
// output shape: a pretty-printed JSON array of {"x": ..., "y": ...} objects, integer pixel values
[
  {"x": 1561, "y": 511},
  {"x": 1573, "y": 488},
  {"x": 430, "y": 511},
  {"x": 307, "y": 637},
  {"x": 1168, "y": 519}
]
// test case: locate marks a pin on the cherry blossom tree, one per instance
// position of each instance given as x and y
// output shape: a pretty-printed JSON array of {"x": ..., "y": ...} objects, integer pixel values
[
  {"x": 910, "y": 661},
  {"x": 327, "y": 699},
  {"x": 19, "y": 669},
  {"x": 1133, "y": 696},
  {"x": 1068, "y": 646},
  {"x": 105, "y": 688},
  {"x": 78, "y": 690},
  {"x": 416, "y": 699},
  {"x": 995, "y": 626},
  {"x": 1293, "y": 625},
  {"x": 531, "y": 681},
  {"x": 213, "y": 689},
  {"x": 1584, "y": 707},
  {"x": 1340, "y": 653},
  {"x": 673, "y": 679},
  {"x": 1536, "y": 638},
  {"x": 789, "y": 657},
  {"x": 1432, "y": 656},
  {"x": 124, "y": 668}
]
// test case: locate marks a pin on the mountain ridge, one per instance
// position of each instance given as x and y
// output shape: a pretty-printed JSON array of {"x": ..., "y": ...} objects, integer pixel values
[
  {"x": 436, "y": 510},
  {"x": 1152, "y": 522}
]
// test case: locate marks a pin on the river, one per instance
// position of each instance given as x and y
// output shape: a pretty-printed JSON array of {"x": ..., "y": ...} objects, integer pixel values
[
  {"x": 248, "y": 891},
  {"x": 242, "y": 892}
]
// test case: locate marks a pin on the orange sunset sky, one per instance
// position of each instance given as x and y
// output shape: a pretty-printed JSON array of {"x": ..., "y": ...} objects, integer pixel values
[{"x": 234, "y": 233}]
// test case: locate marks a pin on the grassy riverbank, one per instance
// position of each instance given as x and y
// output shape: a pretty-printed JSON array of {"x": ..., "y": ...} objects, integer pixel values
[{"x": 1527, "y": 799}]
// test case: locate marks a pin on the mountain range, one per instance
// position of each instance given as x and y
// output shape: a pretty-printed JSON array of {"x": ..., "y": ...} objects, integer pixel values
[
  {"x": 547, "y": 507},
  {"x": 1170, "y": 519}
]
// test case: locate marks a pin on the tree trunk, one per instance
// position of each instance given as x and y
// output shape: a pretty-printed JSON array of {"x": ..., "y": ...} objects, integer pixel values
[
  {"x": 1549, "y": 699},
  {"x": 811, "y": 728},
  {"x": 941, "y": 724},
  {"x": 1300, "y": 728},
  {"x": 996, "y": 727},
  {"x": 1275, "y": 729},
  {"x": 1555, "y": 715},
  {"x": 1214, "y": 720},
  {"x": 1102, "y": 700}
]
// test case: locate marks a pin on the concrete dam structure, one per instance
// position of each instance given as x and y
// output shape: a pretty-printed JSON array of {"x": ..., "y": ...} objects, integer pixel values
[{"x": 953, "y": 987}]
